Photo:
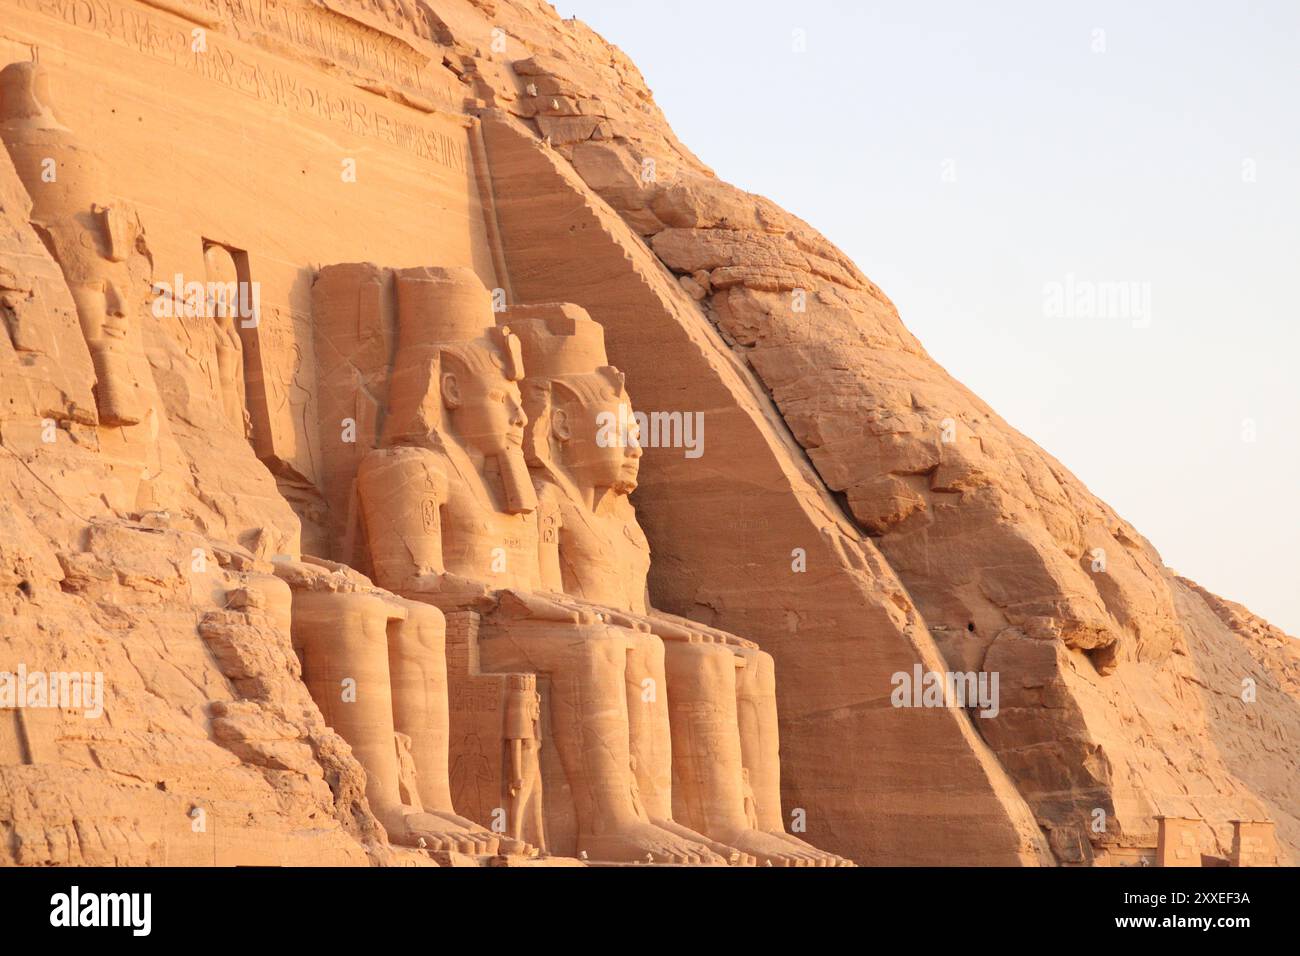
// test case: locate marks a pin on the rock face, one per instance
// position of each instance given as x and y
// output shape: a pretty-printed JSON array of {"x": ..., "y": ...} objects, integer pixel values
[{"x": 216, "y": 503}]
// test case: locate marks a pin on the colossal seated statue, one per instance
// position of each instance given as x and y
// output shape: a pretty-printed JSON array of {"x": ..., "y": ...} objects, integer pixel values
[
  {"x": 452, "y": 518},
  {"x": 724, "y": 777},
  {"x": 90, "y": 239}
]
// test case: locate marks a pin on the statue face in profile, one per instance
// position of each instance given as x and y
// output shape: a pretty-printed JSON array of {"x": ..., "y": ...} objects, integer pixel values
[
  {"x": 626, "y": 483},
  {"x": 485, "y": 407},
  {"x": 600, "y": 435}
]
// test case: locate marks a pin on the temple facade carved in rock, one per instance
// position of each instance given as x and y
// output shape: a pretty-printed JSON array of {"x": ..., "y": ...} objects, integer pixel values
[{"x": 329, "y": 332}]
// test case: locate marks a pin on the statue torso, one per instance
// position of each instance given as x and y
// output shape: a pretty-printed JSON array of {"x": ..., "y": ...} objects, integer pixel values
[{"x": 604, "y": 557}]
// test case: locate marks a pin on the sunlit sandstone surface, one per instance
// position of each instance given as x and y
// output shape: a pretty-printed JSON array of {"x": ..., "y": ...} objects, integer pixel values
[{"x": 419, "y": 457}]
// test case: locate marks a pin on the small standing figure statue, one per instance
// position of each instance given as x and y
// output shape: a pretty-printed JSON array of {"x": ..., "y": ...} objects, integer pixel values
[
  {"x": 523, "y": 738},
  {"x": 228, "y": 305}
]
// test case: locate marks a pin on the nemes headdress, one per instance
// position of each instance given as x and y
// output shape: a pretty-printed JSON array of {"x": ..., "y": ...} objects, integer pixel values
[
  {"x": 564, "y": 354},
  {"x": 25, "y": 95},
  {"x": 444, "y": 322}
]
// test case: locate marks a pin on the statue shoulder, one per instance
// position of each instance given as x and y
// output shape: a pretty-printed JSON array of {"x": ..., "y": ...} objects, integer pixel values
[{"x": 400, "y": 465}]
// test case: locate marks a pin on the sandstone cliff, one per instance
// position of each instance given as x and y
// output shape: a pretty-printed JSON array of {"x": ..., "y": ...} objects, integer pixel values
[
  {"x": 209, "y": 750},
  {"x": 1121, "y": 692},
  {"x": 932, "y": 533}
]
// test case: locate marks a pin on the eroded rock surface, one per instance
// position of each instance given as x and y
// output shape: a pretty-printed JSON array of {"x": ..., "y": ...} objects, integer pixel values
[{"x": 854, "y": 510}]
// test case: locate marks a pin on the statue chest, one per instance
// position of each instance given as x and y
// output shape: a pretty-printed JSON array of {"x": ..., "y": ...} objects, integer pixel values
[{"x": 491, "y": 546}]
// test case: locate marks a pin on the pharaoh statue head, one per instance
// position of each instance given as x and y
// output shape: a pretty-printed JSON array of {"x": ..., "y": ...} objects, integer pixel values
[
  {"x": 25, "y": 96},
  {"x": 455, "y": 383},
  {"x": 583, "y": 429}
]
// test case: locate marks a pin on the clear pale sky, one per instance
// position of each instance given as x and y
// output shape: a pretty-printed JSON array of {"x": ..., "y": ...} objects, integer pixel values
[{"x": 967, "y": 156}]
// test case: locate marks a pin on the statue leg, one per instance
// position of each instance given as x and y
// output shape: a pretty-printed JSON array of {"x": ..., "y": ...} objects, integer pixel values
[
  {"x": 759, "y": 740},
  {"x": 586, "y": 666},
  {"x": 229, "y": 362},
  {"x": 526, "y": 818},
  {"x": 344, "y": 637},
  {"x": 649, "y": 731},
  {"x": 708, "y": 783},
  {"x": 651, "y": 740},
  {"x": 760, "y": 746},
  {"x": 416, "y": 656},
  {"x": 707, "y": 793},
  {"x": 418, "y": 670},
  {"x": 534, "y": 794}
]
